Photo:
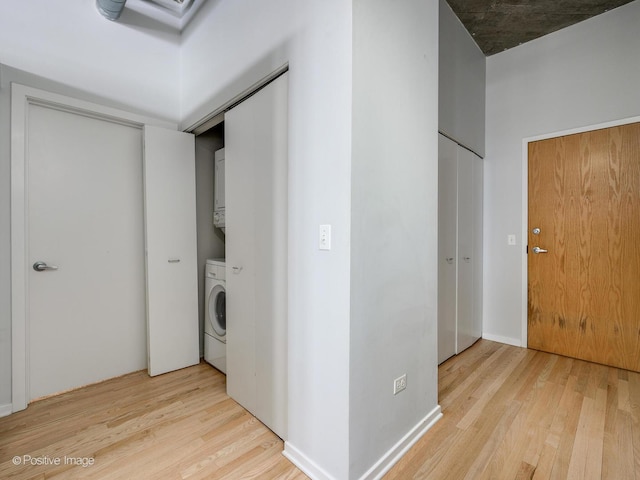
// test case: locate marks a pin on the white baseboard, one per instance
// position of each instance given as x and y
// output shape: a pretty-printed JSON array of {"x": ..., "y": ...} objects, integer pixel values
[
  {"x": 382, "y": 466},
  {"x": 516, "y": 342},
  {"x": 395, "y": 453},
  {"x": 6, "y": 410},
  {"x": 304, "y": 463}
]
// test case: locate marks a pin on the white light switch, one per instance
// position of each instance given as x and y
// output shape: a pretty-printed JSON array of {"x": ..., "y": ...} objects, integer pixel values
[
  {"x": 325, "y": 237},
  {"x": 511, "y": 239}
]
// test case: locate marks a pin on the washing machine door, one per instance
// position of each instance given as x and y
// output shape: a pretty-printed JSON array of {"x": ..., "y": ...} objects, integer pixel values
[{"x": 218, "y": 310}]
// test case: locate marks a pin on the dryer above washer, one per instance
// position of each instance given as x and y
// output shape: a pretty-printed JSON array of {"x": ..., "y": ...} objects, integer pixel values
[{"x": 215, "y": 268}]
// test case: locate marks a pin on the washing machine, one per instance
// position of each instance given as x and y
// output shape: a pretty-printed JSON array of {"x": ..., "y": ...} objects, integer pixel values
[{"x": 215, "y": 323}]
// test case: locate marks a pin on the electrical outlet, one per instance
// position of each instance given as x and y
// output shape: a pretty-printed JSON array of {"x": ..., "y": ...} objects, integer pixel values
[{"x": 399, "y": 384}]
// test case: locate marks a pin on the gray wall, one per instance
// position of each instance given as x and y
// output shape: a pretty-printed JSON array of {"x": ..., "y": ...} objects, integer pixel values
[
  {"x": 210, "y": 239},
  {"x": 462, "y": 84},
  {"x": 394, "y": 195},
  {"x": 579, "y": 76}
]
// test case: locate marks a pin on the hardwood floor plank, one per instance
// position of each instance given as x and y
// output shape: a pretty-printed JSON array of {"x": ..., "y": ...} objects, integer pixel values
[
  {"x": 529, "y": 423},
  {"x": 634, "y": 405},
  {"x": 140, "y": 427},
  {"x": 508, "y": 413}
]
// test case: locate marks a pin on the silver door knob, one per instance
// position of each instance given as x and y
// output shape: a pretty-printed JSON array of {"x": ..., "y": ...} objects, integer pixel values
[
  {"x": 41, "y": 266},
  {"x": 539, "y": 250}
]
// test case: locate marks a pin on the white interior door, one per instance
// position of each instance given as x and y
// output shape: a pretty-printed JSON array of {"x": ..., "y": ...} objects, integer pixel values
[
  {"x": 256, "y": 252},
  {"x": 171, "y": 246},
  {"x": 447, "y": 247},
  {"x": 478, "y": 280},
  {"x": 85, "y": 211},
  {"x": 466, "y": 252}
]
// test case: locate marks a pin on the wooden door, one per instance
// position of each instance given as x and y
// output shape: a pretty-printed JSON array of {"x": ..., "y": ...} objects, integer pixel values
[
  {"x": 170, "y": 238},
  {"x": 584, "y": 293}
]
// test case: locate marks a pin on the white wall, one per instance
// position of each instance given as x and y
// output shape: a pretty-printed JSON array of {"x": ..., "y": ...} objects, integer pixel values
[
  {"x": 580, "y": 76},
  {"x": 133, "y": 61},
  {"x": 229, "y": 46},
  {"x": 461, "y": 107},
  {"x": 393, "y": 224}
]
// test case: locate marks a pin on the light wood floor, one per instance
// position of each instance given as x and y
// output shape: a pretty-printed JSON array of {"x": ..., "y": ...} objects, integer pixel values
[
  {"x": 512, "y": 413},
  {"x": 180, "y": 425},
  {"x": 509, "y": 413}
]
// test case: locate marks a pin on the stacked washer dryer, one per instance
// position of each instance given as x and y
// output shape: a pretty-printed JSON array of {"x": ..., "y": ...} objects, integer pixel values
[{"x": 215, "y": 324}]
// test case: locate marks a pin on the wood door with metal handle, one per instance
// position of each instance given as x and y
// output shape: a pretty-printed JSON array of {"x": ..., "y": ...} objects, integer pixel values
[{"x": 583, "y": 294}]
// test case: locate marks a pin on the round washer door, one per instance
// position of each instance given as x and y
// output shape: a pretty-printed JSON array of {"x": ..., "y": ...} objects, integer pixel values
[{"x": 218, "y": 310}]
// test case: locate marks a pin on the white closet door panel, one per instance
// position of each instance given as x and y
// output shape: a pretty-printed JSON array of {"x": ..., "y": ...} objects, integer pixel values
[
  {"x": 170, "y": 235},
  {"x": 466, "y": 252},
  {"x": 256, "y": 252},
  {"x": 447, "y": 256},
  {"x": 478, "y": 182},
  {"x": 240, "y": 247},
  {"x": 272, "y": 252}
]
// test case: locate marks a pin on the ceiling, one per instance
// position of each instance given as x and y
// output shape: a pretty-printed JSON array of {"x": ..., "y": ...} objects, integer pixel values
[{"x": 497, "y": 25}]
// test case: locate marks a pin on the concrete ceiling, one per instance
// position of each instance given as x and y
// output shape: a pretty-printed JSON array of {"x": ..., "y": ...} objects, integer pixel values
[{"x": 497, "y": 25}]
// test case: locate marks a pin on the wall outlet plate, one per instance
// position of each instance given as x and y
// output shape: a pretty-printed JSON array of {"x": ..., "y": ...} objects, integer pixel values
[{"x": 399, "y": 384}]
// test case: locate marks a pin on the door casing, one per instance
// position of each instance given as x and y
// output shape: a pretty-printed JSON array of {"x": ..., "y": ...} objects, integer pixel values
[
  {"x": 21, "y": 97},
  {"x": 525, "y": 202}
]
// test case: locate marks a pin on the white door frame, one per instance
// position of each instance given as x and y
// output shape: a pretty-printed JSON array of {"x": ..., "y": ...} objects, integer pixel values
[
  {"x": 525, "y": 202},
  {"x": 21, "y": 97}
]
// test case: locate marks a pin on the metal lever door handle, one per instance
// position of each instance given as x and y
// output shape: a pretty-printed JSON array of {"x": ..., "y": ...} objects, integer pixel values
[
  {"x": 236, "y": 270},
  {"x": 539, "y": 250},
  {"x": 449, "y": 260},
  {"x": 41, "y": 267}
]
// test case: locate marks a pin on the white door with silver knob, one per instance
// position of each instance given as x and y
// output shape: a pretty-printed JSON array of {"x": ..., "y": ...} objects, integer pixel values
[
  {"x": 84, "y": 211},
  {"x": 41, "y": 266}
]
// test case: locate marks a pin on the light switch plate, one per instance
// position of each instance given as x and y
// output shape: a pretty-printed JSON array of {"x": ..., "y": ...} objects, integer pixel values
[{"x": 324, "y": 241}]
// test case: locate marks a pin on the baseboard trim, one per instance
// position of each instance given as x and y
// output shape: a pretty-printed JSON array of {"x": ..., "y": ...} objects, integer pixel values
[
  {"x": 6, "y": 410},
  {"x": 382, "y": 466},
  {"x": 395, "y": 453},
  {"x": 304, "y": 463},
  {"x": 500, "y": 339}
]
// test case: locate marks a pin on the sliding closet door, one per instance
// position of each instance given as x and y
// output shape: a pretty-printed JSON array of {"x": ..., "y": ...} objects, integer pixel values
[
  {"x": 459, "y": 248},
  {"x": 256, "y": 253},
  {"x": 466, "y": 251},
  {"x": 447, "y": 247}
]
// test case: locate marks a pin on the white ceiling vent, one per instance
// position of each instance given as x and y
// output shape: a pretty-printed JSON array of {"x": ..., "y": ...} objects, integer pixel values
[
  {"x": 175, "y": 14},
  {"x": 178, "y": 7}
]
